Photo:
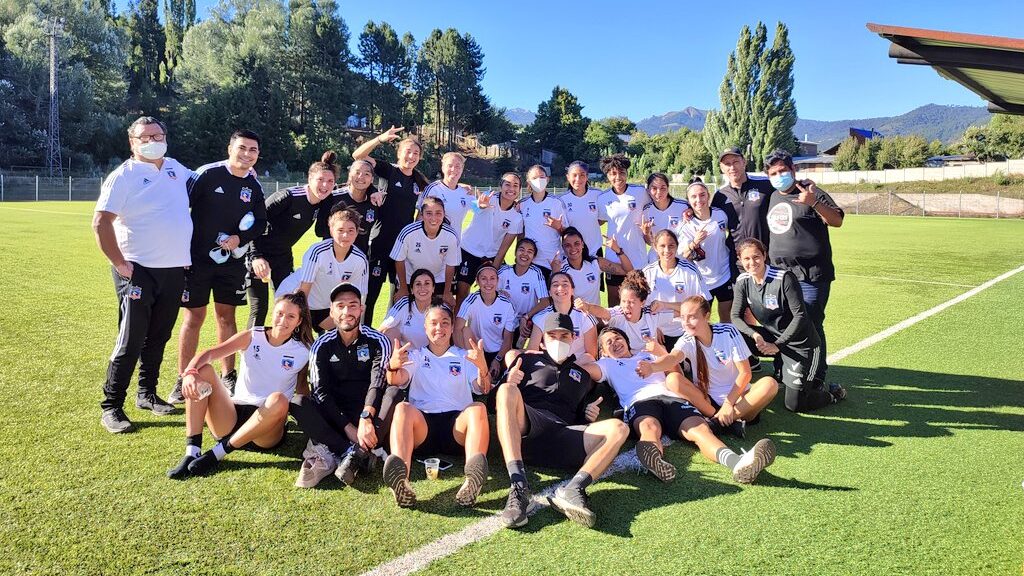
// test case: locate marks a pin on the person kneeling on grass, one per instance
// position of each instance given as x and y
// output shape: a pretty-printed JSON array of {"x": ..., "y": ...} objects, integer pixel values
[
  {"x": 652, "y": 408},
  {"x": 717, "y": 358},
  {"x": 543, "y": 419},
  {"x": 440, "y": 416},
  {"x": 273, "y": 367}
]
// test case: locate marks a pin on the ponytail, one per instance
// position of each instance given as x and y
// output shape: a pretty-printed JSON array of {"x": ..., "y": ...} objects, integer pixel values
[{"x": 701, "y": 377}]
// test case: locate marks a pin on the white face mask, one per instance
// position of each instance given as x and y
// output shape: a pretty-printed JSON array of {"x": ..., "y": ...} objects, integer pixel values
[
  {"x": 152, "y": 150},
  {"x": 538, "y": 184},
  {"x": 557, "y": 349}
]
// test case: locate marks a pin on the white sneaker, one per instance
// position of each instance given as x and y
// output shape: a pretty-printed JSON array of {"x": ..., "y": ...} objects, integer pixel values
[
  {"x": 752, "y": 463},
  {"x": 318, "y": 464}
]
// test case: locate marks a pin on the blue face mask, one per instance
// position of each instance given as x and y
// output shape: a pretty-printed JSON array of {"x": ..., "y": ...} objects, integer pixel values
[{"x": 782, "y": 182}]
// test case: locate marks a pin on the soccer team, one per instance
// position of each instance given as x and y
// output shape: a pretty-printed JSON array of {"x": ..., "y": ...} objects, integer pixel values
[{"x": 531, "y": 348}]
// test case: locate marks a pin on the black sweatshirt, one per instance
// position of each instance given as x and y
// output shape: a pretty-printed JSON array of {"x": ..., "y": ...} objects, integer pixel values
[
  {"x": 561, "y": 389},
  {"x": 398, "y": 210},
  {"x": 289, "y": 215},
  {"x": 347, "y": 378},
  {"x": 219, "y": 200},
  {"x": 777, "y": 305}
]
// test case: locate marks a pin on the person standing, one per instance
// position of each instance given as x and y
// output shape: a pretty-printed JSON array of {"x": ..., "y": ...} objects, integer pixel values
[
  {"x": 142, "y": 225},
  {"x": 228, "y": 212},
  {"x": 355, "y": 194},
  {"x": 743, "y": 198},
  {"x": 581, "y": 205},
  {"x": 621, "y": 206}
]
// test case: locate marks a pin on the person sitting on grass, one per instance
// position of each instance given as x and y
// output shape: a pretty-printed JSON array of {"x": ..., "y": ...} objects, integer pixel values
[
  {"x": 543, "y": 418},
  {"x": 440, "y": 416},
  {"x": 273, "y": 367},
  {"x": 652, "y": 409},
  {"x": 783, "y": 329},
  {"x": 716, "y": 356},
  {"x": 631, "y": 316}
]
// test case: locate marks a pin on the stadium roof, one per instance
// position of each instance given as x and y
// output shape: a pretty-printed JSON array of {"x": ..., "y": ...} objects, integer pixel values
[{"x": 990, "y": 66}]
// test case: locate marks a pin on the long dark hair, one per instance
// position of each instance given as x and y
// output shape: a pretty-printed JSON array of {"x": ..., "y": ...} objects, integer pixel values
[
  {"x": 412, "y": 280},
  {"x": 304, "y": 331},
  {"x": 573, "y": 231},
  {"x": 701, "y": 377},
  {"x": 448, "y": 311}
]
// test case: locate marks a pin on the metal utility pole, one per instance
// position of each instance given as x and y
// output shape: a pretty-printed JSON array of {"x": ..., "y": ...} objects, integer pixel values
[{"x": 55, "y": 27}]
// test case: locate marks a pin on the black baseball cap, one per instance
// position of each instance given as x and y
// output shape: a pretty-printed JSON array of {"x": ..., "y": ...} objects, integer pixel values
[
  {"x": 558, "y": 322},
  {"x": 347, "y": 288},
  {"x": 729, "y": 151}
]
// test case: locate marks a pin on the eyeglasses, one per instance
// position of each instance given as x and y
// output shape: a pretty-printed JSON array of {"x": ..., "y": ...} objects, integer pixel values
[{"x": 150, "y": 138}]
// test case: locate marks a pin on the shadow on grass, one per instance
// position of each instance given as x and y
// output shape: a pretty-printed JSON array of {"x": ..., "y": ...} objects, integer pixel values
[{"x": 885, "y": 403}]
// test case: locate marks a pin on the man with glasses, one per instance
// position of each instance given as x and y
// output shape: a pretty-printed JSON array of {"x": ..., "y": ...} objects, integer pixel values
[
  {"x": 228, "y": 212},
  {"x": 143, "y": 227}
]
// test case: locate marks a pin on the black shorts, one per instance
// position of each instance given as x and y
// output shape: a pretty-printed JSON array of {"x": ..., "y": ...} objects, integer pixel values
[
  {"x": 318, "y": 316},
  {"x": 613, "y": 279},
  {"x": 466, "y": 271},
  {"x": 723, "y": 292},
  {"x": 383, "y": 268},
  {"x": 668, "y": 410},
  {"x": 440, "y": 435},
  {"x": 439, "y": 288},
  {"x": 551, "y": 443},
  {"x": 228, "y": 282}
]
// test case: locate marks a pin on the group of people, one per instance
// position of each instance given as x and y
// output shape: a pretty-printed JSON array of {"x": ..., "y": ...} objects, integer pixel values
[{"x": 532, "y": 345}]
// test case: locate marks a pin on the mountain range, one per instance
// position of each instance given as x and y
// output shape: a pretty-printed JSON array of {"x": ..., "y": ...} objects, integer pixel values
[{"x": 931, "y": 121}]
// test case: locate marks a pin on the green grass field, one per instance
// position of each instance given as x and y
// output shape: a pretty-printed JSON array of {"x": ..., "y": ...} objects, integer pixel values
[{"x": 918, "y": 472}]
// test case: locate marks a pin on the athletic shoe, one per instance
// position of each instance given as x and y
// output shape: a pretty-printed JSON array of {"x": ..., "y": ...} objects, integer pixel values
[
  {"x": 738, "y": 428},
  {"x": 205, "y": 464},
  {"x": 516, "y": 512},
  {"x": 176, "y": 396},
  {"x": 837, "y": 391},
  {"x": 229, "y": 380},
  {"x": 180, "y": 472},
  {"x": 752, "y": 463},
  {"x": 575, "y": 504},
  {"x": 395, "y": 472},
  {"x": 314, "y": 469},
  {"x": 153, "y": 403},
  {"x": 116, "y": 421},
  {"x": 354, "y": 460},
  {"x": 652, "y": 459},
  {"x": 476, "y": 475}
]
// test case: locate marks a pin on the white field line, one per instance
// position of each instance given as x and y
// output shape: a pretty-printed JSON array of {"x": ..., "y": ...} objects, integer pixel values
[
  {"x": 451, "y": 543},
  {"x": 47, "y": 211},
  {"x": 890, "y": 279}
]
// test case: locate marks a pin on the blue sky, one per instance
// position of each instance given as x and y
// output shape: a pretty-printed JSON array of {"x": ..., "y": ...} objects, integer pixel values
[{"x": 640, "y": 58}]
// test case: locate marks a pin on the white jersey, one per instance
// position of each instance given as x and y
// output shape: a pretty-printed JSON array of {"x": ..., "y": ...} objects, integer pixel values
[
  {"x": 581, "y": 212},
  {"x": 409, "y": 321},
  {"x": 321, "y": 269},
  {"x": 489, "y": 226},
  {"x": 715, "y": 267},
  {"x": 727, "y": 348},
  {"x": 441, "y": 383},
  {"x": 582, "y": 324},
  {"x": 535, "y": 216},
  {"x": 153, "y": 225},
  {"x": 524, "y": 291},
  {"x": 586, "y": 281},
  {"x": 684, "y": 281},
  {"x": 624, "y": 213},
  {"x": 266, "y": 369},
  {"x": 457, "y": 203},
  {"x": 420, "y": 251},
  {"x": 630, "y": 387},
  {"x": 671, "y": 218},
  {"x": 489, "y": 322},
  {"x": 645, "y": 327}
]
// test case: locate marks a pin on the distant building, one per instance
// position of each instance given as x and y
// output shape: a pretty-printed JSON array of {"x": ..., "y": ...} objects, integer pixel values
[
  {"x": 951, "y": 160},
  {"x": 807, "y": 148},
  {"x": 822, "y": 163},
  {"x": 861, "y": 135}
]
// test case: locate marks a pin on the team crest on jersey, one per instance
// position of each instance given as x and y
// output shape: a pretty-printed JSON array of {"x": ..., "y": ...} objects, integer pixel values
[
  {"x": 645, "y": 332},
  {"x": 463, "y": 202},
  {"x": 370, "y": 216},
  {"x": 525, "y": 289},
  {"x": 464, "y": 270},
  {"x": 673, "y": 221},
  {"x": 184, "y": 296},
  {"x": 443, "y": 250},
  {"x": 172, "y": 175},
  {"x": 455, "y": 368},
  {"x": 346, "y": 276},
  {"x": 135, "y": 293},
  {"x": 496, "y": 319},
  {"x": 546, "y": 213},
  {"x": 575, "y": 374},
  {"x": 376, "y": 270},
  {"x": 753, "y": 195},
  {"x": 575, "y": 331},
  {"x": 771, "y": 301},
  {"x": 721, "y": 357},
  {"x": 506, "y": 223},
  {"x": 721, "y": 226},
  {"x": 287, "y": 362},
  {"x": 592, "y": 206},
  {"x": 632, "y": 204},
  {"x": 245, "y": 194},
  {"x": 591, "y": 277},
  {"x": 680, "y": 288},
  {"x": 363, "y": 353}
]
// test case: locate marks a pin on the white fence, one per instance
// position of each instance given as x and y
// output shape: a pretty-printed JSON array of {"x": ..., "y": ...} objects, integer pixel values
[{"x": 983, "y": 170}]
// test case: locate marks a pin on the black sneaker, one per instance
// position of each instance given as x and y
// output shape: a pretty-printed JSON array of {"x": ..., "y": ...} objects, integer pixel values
[
  {"x": 517, "y": 507},
  {"x": 575, "y": 504},
  {"x": 652, "y": 459},
  {"x": 155, "y": 404},
  {"x": 206, "y": 464},
  {"x": 354, "y": 460},
  {"x": 180, "y": 472},
  {"x": 738, "y": 428},
  {"x": 395, "y": 472},
  {"x": 176, "y": 396},
  {"x": 837, "y": 391},
  {"x": 229, "y": 380},
  {"x": 116, "y": 421},
  {"x": 476, "y": 475}
]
